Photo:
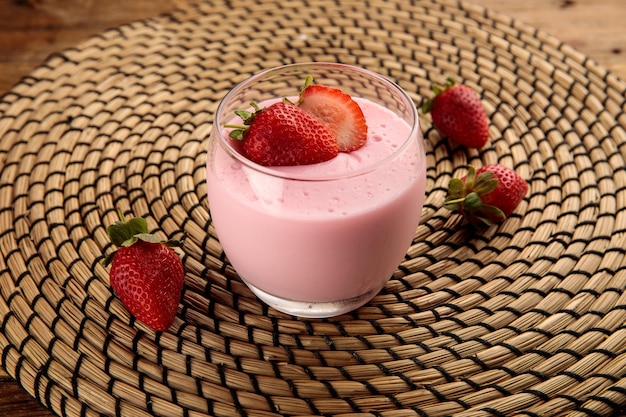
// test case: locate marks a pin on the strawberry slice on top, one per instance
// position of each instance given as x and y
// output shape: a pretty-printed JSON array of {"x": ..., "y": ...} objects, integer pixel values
[{"x": 338, "y": 111}]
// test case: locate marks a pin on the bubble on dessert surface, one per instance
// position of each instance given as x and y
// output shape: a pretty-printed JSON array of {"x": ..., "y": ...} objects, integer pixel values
[
  {"x": 377, "y": 138},
  {"x": 235, "y": 166}
]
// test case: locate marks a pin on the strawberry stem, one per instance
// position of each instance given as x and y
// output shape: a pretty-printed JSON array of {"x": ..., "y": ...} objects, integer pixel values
[
  {"x": 455, "y": 201},
  {"x": 307, "y": 82},
  {"x": 233, "y": 126}
]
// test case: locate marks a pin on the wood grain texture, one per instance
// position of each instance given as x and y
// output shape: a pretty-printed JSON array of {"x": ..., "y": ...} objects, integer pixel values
[
  {"x": 30, "y": 30},
  {"x": 594, "y": 27}
]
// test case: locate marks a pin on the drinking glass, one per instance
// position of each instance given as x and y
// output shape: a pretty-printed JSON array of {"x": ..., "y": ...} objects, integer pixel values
[{"x": 319, "y": 240}]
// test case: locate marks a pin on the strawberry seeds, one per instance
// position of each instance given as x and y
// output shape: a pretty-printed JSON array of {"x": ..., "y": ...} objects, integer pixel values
[{"x": 323, "y": 122}]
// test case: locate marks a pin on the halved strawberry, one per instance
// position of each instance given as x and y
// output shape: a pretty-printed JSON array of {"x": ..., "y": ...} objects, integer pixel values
[
  {"x": 283, "y": 134},
  {"x": 338, "y": 111}
]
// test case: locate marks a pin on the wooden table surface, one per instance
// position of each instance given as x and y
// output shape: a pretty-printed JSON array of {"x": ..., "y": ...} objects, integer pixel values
[{"x": 32, "y": 29}]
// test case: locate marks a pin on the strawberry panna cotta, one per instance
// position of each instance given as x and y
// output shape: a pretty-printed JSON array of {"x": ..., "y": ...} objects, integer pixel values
[
  {"x": 323, "y": 122},
  {"x": 146, "y": 273},
  {"x": 458, "y": 113}
]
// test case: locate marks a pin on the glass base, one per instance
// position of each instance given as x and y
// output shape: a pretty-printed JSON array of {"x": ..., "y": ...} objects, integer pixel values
[{"x": 312, "y": 309}]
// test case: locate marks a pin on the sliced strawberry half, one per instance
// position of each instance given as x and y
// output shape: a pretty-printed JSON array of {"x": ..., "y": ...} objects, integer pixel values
[{"x": 339, "y": 112}]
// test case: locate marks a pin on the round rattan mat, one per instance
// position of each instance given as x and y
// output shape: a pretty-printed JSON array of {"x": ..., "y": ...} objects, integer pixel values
[{"x": 527, "y": 317}]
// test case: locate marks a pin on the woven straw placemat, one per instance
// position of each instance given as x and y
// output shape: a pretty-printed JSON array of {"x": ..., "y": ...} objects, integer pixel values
[{"x": 524, "y": 318}]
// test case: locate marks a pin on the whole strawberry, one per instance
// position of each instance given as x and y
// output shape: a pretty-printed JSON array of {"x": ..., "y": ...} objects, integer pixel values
[
  {"x": 284, "y": 134},
  {"x": 487, "y": 195},
  {"x": 146, "y": 274},
  {"x": 458, "y": 113}
]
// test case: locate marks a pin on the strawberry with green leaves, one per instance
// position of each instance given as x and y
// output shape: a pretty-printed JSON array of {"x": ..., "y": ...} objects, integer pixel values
[
  {"x": 321, "y": 123},
  {"x": 487, "y": 195},
  {"x": 458, "y": 113},
  {"x": 146, "y": 273},
  {"x": 284, "y": 134}
]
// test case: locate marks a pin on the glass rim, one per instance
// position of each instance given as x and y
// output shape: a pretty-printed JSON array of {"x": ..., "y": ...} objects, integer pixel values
[{"x": 224, "y": 141}]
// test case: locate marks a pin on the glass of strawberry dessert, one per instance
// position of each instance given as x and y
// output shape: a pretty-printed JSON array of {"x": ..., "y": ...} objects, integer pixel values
[{"x": 316, "y": 178}]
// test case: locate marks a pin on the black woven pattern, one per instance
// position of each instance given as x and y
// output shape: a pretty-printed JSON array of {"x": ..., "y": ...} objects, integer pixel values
[{"x": 525, "y": 318}]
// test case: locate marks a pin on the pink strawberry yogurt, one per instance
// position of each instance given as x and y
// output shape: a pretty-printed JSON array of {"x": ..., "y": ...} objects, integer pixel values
[{"x": 321, "y": 240}]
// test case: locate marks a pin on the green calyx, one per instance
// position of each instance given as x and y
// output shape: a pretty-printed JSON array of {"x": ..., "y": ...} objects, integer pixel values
[
  {"x": 465, "y": 197},
  {"x": 127, "y": 233},
  {"x": 239, "y": 131},
  {"x": 428, "y": 103}
]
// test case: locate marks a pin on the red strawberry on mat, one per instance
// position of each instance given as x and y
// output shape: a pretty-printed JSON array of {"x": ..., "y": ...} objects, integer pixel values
[
  {"x": 458, "y": 113},
  {"x": 284, "y": 134},
  {"x": 487, "y": 195},
  {"x": 146, "y": 274},
  {"x": 338, "y": 111}
]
